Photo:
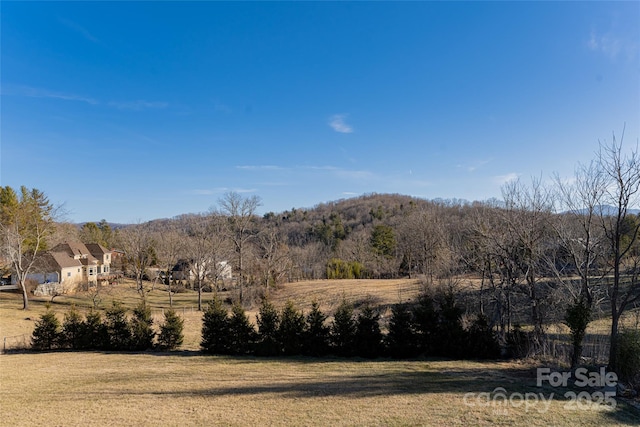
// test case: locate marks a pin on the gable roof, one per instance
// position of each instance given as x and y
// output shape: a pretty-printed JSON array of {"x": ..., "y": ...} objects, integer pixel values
[
  {"x": 64, "y": 255},
  {"x": 97, "y": 250},
  {"x": 71, "y": 248},
  {"x": 56, "y": 261}
]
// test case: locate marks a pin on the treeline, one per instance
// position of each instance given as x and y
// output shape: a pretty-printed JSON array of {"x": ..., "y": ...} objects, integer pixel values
[
  {"x": 432, "y": 326},
  {"x": 557, "y": 250},
  {"x": 115, "y": 332}
]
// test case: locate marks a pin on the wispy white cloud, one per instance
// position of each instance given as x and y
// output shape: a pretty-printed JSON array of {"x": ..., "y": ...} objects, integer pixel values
[
  {"x": 33, "y": 92},
  {"x": 337, "y": 123},
  {"x": 474, "y": 165},
  {"x": 322, "y": 168},
  {"x": 245, "y": 190},
  {"x": 613, "y": 45},
  {"x": 208, "y": 191},
  {"x": 349, "y": 193},
  {"x": 79, "y": 29},
  {"x": 138, "y": 105},
  {"x": 503, "y": 179},
  {"x": 260, "y": 167}
]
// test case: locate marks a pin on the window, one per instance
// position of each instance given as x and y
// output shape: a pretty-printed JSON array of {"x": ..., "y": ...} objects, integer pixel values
[{"x": 68, "y": 274}]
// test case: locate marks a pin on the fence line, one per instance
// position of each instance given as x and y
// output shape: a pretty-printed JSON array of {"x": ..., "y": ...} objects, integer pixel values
[{"x": 21, "y": 340}]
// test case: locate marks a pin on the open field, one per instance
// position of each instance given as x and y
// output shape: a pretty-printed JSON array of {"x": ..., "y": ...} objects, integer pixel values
[
  {"x": 188, "y": 388},
  {"x": 95, "y": 389}
]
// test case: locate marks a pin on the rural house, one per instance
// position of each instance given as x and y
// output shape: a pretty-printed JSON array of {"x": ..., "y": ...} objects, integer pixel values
[
  {"x": 72, "y": 264},
  {"x": 185, "y": 270}
]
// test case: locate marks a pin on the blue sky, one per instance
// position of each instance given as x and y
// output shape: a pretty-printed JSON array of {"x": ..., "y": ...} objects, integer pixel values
[{"x": 134, "y": 111}]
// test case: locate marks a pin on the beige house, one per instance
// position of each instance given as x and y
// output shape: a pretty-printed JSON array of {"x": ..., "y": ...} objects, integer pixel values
[{"x": 72, "y": 264}]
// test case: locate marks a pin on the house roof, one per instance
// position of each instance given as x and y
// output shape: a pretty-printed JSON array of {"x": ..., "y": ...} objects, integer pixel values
[
  {"x": 71, "y": 248},
  {"x": 65, "y": 261},
  {"x": 97, "y": 250},
  {"x": 64, "y": 255},
  {"x": 58, "y": 260}
]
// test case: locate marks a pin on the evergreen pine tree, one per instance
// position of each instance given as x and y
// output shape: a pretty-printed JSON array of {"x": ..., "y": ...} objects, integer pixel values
[
  {"x": 171, "y": 335},
  {"x": 401, "y": 338},
  {"x": 343, "y": 329},
  {"x": 215, "y": 328},
  {"x": 118, "y": 328},
  {"x": 451, "y": 336},
  {"x": 316, "y": 338},
  {"x": 94, "y": 333},
  {"x": 241, "y": 332},
  {"x": 268, "y": 323},
  {"x": 291, "y": 329},
  {"x": 368, "y": 339},
  {"x": 482, "y": 343},
  {"x": 46, "y": 334},
  {"x": 425, "y": 319},
  {"x": 72, "y": 330},
  {"x": 142, "y": 334}
]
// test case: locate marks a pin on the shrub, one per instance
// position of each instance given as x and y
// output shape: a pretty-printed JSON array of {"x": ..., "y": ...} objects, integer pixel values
[
  {"x": 72, "y": 330},
  {"x": 482, "y": 342},
  {"x": 343, "y": 329},
  {"x": 291, "y": 329},
  {"x": 215, "y": 328},
  {"x": 368, "y": 337},
  {"x": 241, "y": 332},
  {"x": 425, "y": 319},
  {"x": 577, "y": 318},
  {"x": 452, "y": 338},
  {"x": 339, "y": 269},
  {"x": 118, "y": 328},
  {"x": 628, "y": 357},
  {"x": 171, "y": 335},
  {"x": 95, "y": 335},
  {"x": 316, "y": 334},
  {"x": 46, "y": 334},
  {"x": 268, "y": 322},
  {"x": 142, "y": 334},
  {"x": 518, "y": 343},
  {"x": 401, "y": 338}
]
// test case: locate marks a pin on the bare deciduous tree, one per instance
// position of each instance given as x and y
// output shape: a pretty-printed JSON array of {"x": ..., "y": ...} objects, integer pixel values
[
  {"x": 622, "y": 191},
  {"x": 526, "y": 213},
  {"x": 240, "y": 215},
  {"x": 274, "y": 260},
  {"x": 138, "y": 245},
  {"x": 170, "y": 245}
]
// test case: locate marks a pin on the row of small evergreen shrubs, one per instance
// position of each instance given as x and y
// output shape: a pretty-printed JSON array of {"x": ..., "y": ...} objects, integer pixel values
[
  {"x": 116, "y": 331},
  {"x": 430, "y": 327}
]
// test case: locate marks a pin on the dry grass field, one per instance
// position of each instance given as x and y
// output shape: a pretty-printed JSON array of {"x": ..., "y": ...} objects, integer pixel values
[
  {"x": 96, "y": 389},
  {"x": 188, "y": 388}
]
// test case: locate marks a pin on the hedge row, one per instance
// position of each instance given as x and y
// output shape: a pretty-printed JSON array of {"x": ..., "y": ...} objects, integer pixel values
[
  {"x": 114, "y": 332},
  {"x": 431, "y": 327}
]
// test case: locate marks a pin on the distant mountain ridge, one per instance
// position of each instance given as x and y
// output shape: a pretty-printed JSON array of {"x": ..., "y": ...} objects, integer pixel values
[
  {"x": 367, "y": 203},
  {"x": 607, "y": 210}
]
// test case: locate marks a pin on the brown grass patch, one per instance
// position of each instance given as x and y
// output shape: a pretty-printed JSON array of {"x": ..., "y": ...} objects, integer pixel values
[{"x": 95, "y": 389}]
